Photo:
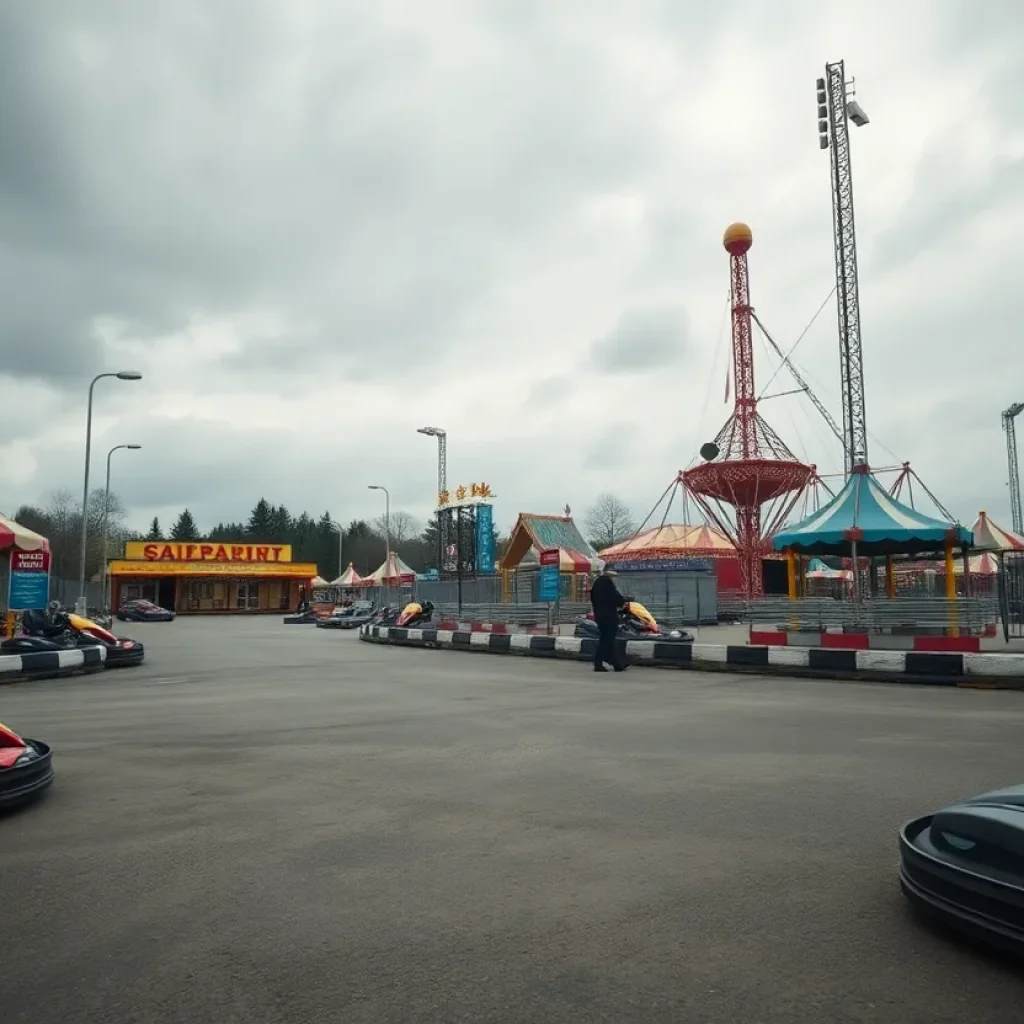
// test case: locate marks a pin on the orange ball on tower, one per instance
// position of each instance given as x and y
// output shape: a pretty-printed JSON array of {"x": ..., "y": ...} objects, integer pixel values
[{"x": 737, "y": 239}]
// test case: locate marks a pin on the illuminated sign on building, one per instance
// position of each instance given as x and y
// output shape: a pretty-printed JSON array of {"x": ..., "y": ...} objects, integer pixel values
[{"x": 198, "y": 551}]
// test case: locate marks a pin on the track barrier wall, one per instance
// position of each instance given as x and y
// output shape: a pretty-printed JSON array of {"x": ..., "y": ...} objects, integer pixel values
[
  {"x": 992, "y": 671},
  {"x": 47, "y": 664}
]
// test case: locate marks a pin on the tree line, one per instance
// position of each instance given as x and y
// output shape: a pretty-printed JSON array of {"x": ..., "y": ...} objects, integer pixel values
[
  {"x": 60, "y": 521},
  {"x": 313, "y": 539}
]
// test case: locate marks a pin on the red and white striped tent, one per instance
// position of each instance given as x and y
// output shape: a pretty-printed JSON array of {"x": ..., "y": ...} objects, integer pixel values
[
  {"x": 990, "y": 537},
  {"x": 392, "y": 572},
  {"x": 14, "y": 535},
  {"x": 349, "y": 578},
  {"x": 985, "y": 564}
]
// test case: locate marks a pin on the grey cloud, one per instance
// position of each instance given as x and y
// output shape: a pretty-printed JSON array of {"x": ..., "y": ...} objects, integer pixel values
[
  {"x": 374, "y": 189},
  {"x": 940, "y": 204},
  {"x": 644, "y": 339},
  {"x": 195, "y": 164}
]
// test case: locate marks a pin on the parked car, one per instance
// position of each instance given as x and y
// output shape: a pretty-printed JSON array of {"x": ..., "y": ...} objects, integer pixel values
[{"x": 144, "y": 611}]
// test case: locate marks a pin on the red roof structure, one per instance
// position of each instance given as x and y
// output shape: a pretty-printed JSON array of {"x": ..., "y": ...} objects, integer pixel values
[{"x": 14, "y": 535}]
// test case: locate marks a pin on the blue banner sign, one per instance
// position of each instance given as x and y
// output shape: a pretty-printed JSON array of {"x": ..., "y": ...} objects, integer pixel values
[
  {"x": 666, "y": 565},
  {"x": 549, "y": 583},
  {"x": 30, "y": 580},
  {"x": 484, "y": 539}
]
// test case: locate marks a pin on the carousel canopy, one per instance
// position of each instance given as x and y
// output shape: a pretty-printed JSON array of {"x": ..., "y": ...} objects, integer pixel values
[
  {"x": 14, "y": 535},
  {"x": 864, "y": 510},
  {"x": 349, "y": 578},
  {"x": 990, "y": 537},
  {"x": 393, "y": 570},
  {"x": 672, "y": 541},
  {"x": 318, "y": 581}
]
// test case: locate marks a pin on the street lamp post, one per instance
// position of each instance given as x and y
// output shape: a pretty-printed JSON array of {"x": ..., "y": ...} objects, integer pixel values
[
  {"x": 80, "y": 604},
  {"x": 105, "y": 577},
  {"x": 339, "y": 529},
  {"x": 387, "y": 525}
]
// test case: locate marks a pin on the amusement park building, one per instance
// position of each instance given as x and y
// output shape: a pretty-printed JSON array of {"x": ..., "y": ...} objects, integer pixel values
[{"x": 200, "y": 577}]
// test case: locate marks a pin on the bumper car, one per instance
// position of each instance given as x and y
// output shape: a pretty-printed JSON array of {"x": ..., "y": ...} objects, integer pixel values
[
  {"x": 70, "y": 630},
  {"x": 635, "y": 623},
  {"x": 964, "y": 866},
  {"x": 26, "y": 768}
]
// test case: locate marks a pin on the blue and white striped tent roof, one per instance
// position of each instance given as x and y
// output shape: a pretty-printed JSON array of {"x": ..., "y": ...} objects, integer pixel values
[{"x": 887, "y": 525}]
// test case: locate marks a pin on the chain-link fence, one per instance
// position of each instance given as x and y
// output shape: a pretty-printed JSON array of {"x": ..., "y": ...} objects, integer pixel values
[{"x": 674, "y": 599}]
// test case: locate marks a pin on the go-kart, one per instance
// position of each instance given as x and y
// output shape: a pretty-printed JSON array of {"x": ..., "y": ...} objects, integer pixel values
[
  {"x": 385, "y": 616},
  {"x": 635, "y": 623},
  {"x": 26, "y": 767},
  {"x": 414, "y": 615},
  {"x": 357, "y": 614},
  {"x": 964, "y": 866},
  {"x": 69, "y": 630},
  {"x": 305, "y": 617}
]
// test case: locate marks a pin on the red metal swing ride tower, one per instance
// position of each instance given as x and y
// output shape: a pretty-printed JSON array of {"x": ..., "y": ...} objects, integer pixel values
[{"x": 748, "y": 467}]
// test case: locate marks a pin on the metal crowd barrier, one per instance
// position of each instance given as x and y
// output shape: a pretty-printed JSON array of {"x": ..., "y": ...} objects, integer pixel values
[{"x": 901, "y": 614}]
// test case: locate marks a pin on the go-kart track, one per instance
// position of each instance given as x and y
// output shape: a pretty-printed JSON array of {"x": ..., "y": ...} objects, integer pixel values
[{"x": 273, "y": 825}]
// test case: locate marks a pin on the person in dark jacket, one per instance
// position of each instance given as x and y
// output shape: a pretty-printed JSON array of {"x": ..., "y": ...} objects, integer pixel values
[{"x": 606, "y": 601}]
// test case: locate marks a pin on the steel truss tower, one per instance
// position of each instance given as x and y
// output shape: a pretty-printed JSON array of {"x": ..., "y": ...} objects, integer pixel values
[
  {"x": 445, "y": 528},
  {"x": 835, "y": 107},
  {"x": 1016, "y": 512}
]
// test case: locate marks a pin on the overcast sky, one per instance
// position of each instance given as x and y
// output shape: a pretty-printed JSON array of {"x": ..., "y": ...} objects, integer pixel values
[{"x": 317, "y": 225}]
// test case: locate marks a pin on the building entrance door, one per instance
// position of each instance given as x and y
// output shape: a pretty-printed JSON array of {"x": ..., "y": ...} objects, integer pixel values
[{"x": 248, "y": 596}]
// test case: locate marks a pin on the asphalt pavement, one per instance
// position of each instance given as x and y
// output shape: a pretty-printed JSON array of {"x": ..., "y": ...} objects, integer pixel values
[{"x": 276, "y": 824}]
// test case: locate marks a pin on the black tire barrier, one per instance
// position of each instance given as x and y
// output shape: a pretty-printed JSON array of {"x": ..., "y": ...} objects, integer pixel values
[{"x": 989, "y": 671}]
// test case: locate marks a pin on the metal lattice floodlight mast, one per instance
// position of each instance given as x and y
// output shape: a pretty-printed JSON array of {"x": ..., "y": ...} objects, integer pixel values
[
  {"x": 837, "y": 107},
  {"x": 444, "y": 530},
  {"x": 1016, "y": 512}
]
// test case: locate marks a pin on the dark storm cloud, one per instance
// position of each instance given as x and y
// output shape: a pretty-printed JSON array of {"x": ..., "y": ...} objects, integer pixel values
[
  {"x": 161, "y": 162},
  {"x": 644, "y": 339}
]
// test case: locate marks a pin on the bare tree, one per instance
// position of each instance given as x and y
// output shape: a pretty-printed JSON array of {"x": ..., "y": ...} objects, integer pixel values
[
  {"x": 608, "y": 521},
  {"x": 402, "y": 527}
]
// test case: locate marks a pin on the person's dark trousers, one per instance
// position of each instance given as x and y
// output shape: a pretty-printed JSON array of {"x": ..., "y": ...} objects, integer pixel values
[{"x": 606, "y": 653}]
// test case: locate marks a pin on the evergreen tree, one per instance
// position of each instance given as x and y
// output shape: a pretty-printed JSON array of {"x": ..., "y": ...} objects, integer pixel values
[
  {"x": 227, "y": 532},
  {"x": 303, "y": 539},
  {"x": 154, "y": 530},
  {"x": 280, "y": 525},
  {"x": 326, "y": 547},
  {"x": 261, "y": 522},
  {"x": 430, "y": 543},
  {"x": 185, "y": 528}
]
